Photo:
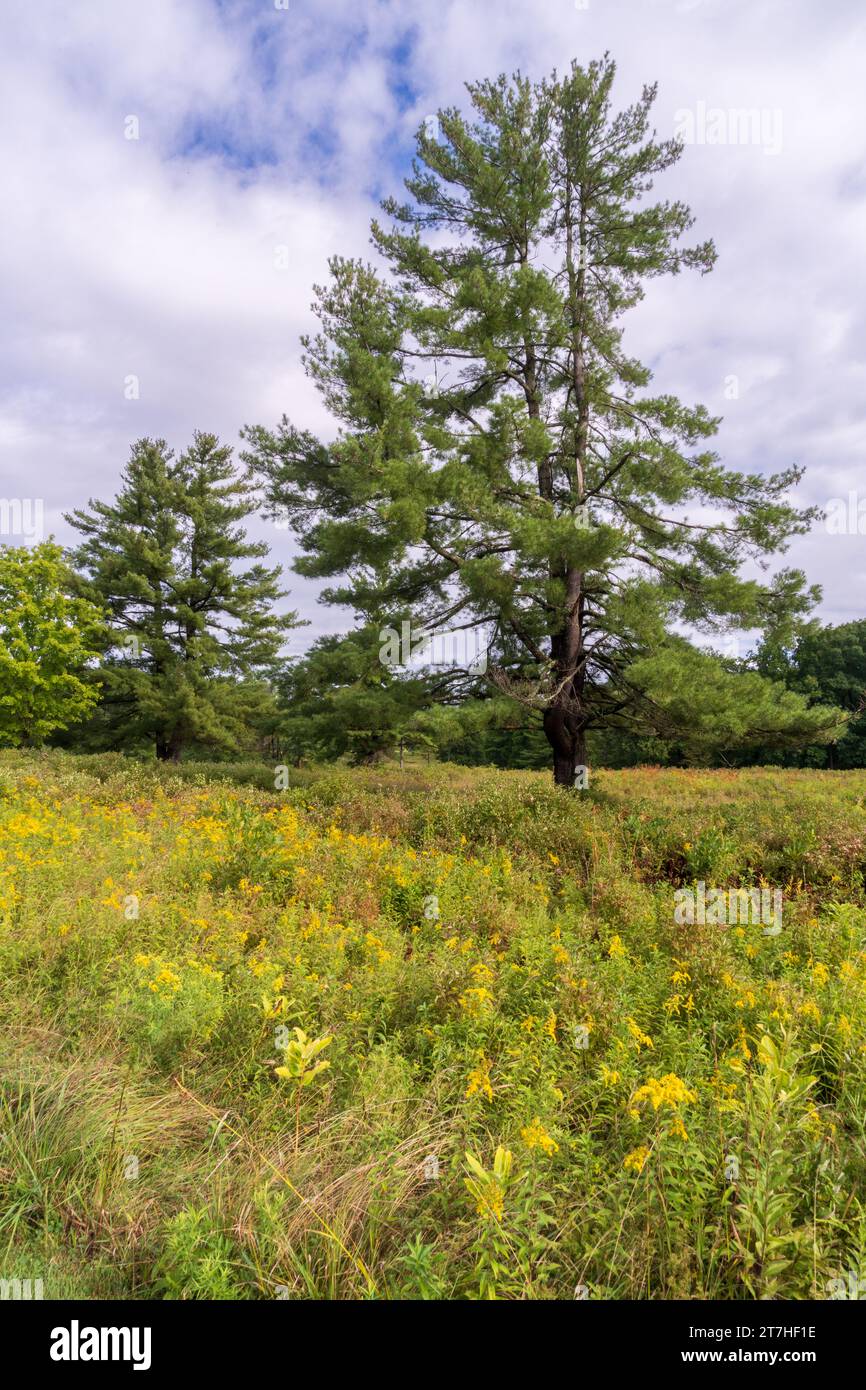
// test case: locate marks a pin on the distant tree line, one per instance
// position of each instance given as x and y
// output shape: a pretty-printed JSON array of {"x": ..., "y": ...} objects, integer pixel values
[{"x": 158, "y": 636}]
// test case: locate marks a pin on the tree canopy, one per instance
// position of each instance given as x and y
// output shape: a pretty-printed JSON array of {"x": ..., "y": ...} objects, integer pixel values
[
  {"x": 827, "y": 665},
  {"x": 48, "y": 637},
  {"x": 191, "y": 634},
  {"x": 501, "y": 461}
]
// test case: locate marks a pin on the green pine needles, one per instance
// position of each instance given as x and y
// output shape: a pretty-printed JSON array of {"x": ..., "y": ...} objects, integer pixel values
[{"x": 501, "y": 460}]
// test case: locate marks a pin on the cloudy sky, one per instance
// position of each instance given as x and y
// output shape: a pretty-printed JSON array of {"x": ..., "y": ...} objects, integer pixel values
[{"x": 267, "y": 132}]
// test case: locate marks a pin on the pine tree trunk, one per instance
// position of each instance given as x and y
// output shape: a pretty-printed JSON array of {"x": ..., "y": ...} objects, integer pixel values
[
  {"x": 563, "y": 769},
  {"x": 169, "y": 746},
  {"x": 564, "y": 721},
  {"x": 568, "y": 743}
]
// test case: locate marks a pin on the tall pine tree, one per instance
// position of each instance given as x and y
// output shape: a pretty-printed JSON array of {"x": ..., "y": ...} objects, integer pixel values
[
  {"x": 191, "y": 630},
  {"x": 500, "y": 458}
]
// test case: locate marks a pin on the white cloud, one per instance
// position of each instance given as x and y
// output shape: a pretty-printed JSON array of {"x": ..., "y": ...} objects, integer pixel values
[{"x": 263, "y": 129}]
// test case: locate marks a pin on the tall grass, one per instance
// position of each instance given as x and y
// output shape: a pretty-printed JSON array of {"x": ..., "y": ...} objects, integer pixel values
[{"x": 540, "y": 1080}]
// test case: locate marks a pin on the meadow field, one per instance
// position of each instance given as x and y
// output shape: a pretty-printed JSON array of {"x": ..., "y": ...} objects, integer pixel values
[{"x": 540, "y": 1082}]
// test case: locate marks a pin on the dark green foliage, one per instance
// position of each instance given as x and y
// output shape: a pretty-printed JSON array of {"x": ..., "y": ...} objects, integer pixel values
[
  {"x": 341, "y": 700},
  {"x": 828, "y": 666},
  {"x": 191, "y": 637},
  {"x": 501, "y": 460}
]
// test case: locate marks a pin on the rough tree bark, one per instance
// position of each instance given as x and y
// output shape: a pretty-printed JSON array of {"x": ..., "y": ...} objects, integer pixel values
[
  {"x": 169, "y": 746},
  {"x": 566, "y": 718}
]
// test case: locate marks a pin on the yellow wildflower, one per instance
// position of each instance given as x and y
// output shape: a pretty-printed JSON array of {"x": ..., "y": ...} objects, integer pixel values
[
  {"x": 668, "y": 1090},
  {"x": 637, "y": 1158},
  {"x": 535, "y": 1136},
  {"x": 479, "y": 1079},
  {"x": 642, "y": 1039}
]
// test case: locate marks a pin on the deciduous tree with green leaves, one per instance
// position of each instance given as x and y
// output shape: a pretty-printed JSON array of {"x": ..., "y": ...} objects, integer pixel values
[
  {"x": 828, "y": 666},
  {"x": 47, "y": 639},
  {"x": 193, "y": 634},
  {"x": 501, "y": 458}
]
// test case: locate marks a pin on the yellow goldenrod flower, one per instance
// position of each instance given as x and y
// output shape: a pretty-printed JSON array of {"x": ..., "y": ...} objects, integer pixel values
[
  {"x": 641, "y": 1039},
  {"x": 535, "y": 1136},
  {"x": 488, "y": 1186},
  {"x": 479, "y": 1079},
  {"x": 637, "y": 1158},
  {"x": 476, "y": 1000},
  {"x": 678, "y": 1129},
  {"x": 668, "y": 1090}
]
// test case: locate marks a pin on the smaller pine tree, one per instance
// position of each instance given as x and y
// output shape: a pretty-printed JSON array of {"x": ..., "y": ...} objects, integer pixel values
[
  {"x": 341, "y": 700},
  {"x": 191, "y": 634}
]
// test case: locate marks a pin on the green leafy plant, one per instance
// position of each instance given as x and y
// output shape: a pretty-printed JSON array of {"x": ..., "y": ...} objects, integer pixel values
[
  {"x": 300, "y": 1070},
  {"x": 198, "y": 1260},
  {"x": 770, "y": 1240}
]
